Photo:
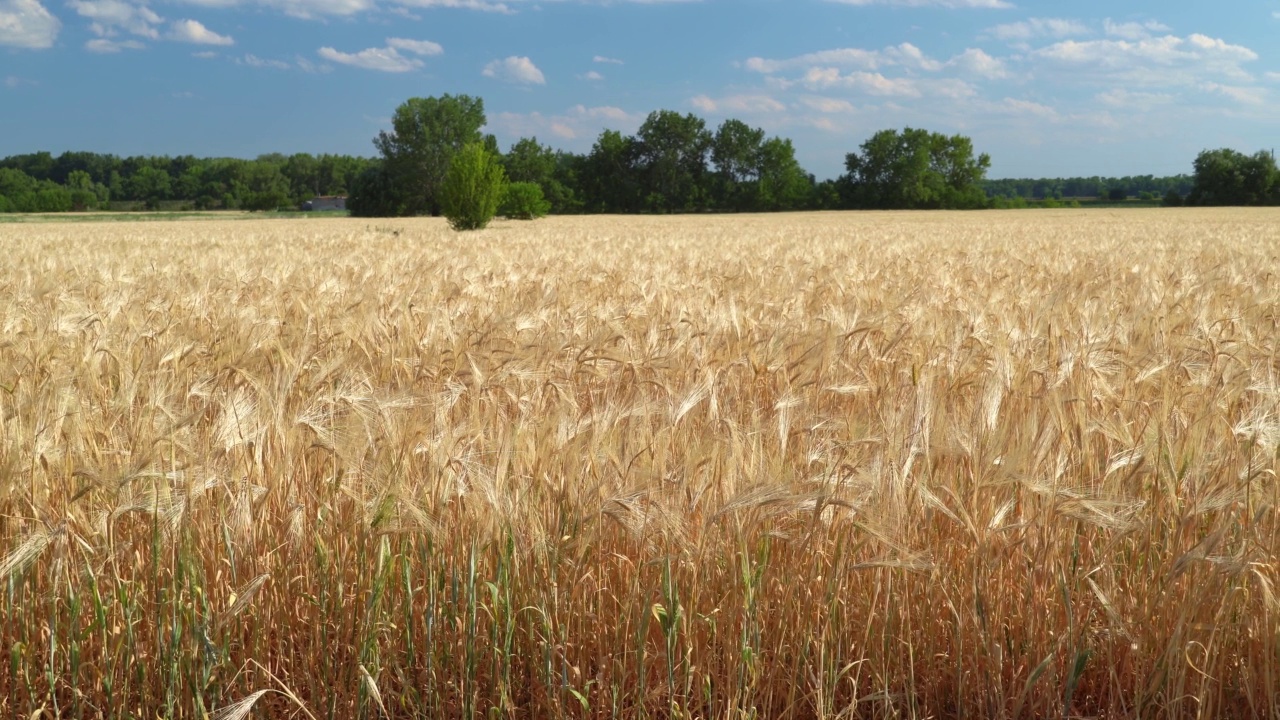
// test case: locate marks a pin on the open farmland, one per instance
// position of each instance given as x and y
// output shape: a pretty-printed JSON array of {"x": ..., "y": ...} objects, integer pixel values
[{"x": 797, "y": 466}]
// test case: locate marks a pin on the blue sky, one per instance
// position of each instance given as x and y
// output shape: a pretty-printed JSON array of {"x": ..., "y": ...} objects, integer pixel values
[{"x": 1048, "y": 89}]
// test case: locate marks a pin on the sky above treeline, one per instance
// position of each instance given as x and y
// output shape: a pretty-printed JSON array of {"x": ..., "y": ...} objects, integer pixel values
[{"x": 1047, "y": 88}]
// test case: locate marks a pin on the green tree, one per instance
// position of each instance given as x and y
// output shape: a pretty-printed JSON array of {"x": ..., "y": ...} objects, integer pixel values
[
  {"x": 150, "y": 185},
  {"x": 472, "y": 188},
  {"x": 916, "y": 169},
  {"x": 529, "y": 161},
  {"x": 373, "y": 194},
  {"x": 609, "y": 176},
  {"x": 524, "y": 201},
  {"x": 782, "y": 183},
  {"x": 426, "y": 134},
  {"x": 671, "y": 153},
  {"x": 735, "y": 154},
  {"x": 1228, "y": 177}
]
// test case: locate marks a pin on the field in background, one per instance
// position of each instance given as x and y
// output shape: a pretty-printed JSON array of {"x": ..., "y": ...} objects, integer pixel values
[{"x": 793, "y": 466}]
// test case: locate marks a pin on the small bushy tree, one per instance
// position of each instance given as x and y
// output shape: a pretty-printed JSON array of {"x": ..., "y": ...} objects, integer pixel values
[
  {"x": 524, "y": 201},
  {"x": 472, "y": 188}
]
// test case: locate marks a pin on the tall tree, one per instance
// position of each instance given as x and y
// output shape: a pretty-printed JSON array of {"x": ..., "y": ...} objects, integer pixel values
[
  {"x": 916, "y": 169},
  {"x": 608, "y": 176},
  {"x": 672, "y": 153},
  {"x": 735, "y": 153},
  {"x": 781, "y": 183},
  {"x": 426, "y": 134},
  {"x": 1228, "y": 177}
]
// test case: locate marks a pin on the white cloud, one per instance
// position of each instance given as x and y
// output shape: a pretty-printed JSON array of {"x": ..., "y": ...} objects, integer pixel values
[
  {"x": 192, "y": 31},
  {"x": 607, "y": 60},
  {"x": 877, "y": 84},
  {"x": 384, "y": 59},
  {"x": 904, "y": 55},
  {"x": 1038, "y": 28},
  {"x": 295, "y": 8},
  {"x": 827, "y": 105},
  {"x": 746, "y": 103},
  {"x": 27, "y": 24},
  {"x": 110, "y": 17},
  {"x": 1244, "y": 95},
  {"x": 205, "y": 54},
  {"x": 997, "y": 4},
  {"x": 257, "y": 62},
  {"x": 593, "y": 76},
  {"x": 1133, "y": 30},
  {"x": 105, "y": 45},
  {"x": 579, "y": 123},
  {"x": 518, "y": 70},
  {"x": 977, "y": 62},
  {"x": 417, "y": 47},
  {"x": 1122, "y": 98},
  {"x": 481, "y": 5},
  {"x": 1167, "y": 60}
]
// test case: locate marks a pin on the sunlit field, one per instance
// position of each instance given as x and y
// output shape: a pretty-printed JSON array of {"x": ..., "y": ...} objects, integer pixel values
[{"x": 990, "y": 465}]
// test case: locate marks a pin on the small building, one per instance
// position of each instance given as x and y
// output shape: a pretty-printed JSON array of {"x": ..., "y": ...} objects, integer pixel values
[{"x": 326, "y": 202}]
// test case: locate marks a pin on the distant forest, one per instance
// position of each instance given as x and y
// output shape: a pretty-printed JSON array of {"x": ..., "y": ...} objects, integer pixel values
[
  {"x": 673, "y": 164},
  {"x": 80, "y": 181}
]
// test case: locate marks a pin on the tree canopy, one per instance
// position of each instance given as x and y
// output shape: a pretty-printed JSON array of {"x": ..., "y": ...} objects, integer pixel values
[
  {"x": 1228, "y": 177},
  {"x": 426, "y": 133},
  {"x": 673, "y": 163},
  {"x": 916, "y": 169}
]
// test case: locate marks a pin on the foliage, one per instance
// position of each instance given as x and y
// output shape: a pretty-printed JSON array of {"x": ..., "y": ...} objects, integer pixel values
[
  {"x": 671, "y": 157},
  {"x": 528, "y": 161},
  {"x": 1085, "y": 187},
  {"x": 426, "y": 134},
  {"x": 524, "y": 201},
  {"x": 1228, "y": 177},
  {"x": 916, "y": 169},
  {"x": 96, "y": 181},
  {"x": 374, "y": 194},
  {"x": 472, "y": 188}
]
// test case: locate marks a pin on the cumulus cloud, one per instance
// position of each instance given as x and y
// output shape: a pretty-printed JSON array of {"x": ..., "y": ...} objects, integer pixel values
[
  {"x": 1133, "y": 30},
  {"x": 576, "y": 126},
  {"x": 1158, "y": 60},
  {"x": 904, "y": 55},
  {"x": 257, "y": 62},
  {"x": 1034, "y": 28},
  {"x": 515, "y": 69},
  {"x": 111, "y": 17},
  {"x": 192, "y": 31},
  {"x": 750, "y": 104},
  {"x": 608, "y": 60},
  {"x": 827, "y": 105},
  {"x": 383, "y": 59},
  {"x": 417, "y": 47},
  {"x": 27, "y": 24},
  {"x": 593, "y": 76},
  {"x": 106, "y": 45},
  {"x": 296, "y": 8}
]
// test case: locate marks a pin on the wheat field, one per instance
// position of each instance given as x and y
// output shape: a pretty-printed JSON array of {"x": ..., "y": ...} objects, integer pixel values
[{"x": 994, "y": 465}]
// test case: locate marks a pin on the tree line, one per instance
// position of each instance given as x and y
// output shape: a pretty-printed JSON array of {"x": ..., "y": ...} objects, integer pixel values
[
  {"x": 674, "y": 163},
  {"x": 77, "y": 181}
]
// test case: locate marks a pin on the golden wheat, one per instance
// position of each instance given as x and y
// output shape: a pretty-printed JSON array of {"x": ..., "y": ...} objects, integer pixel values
[{"x": 802, "y": 466}]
